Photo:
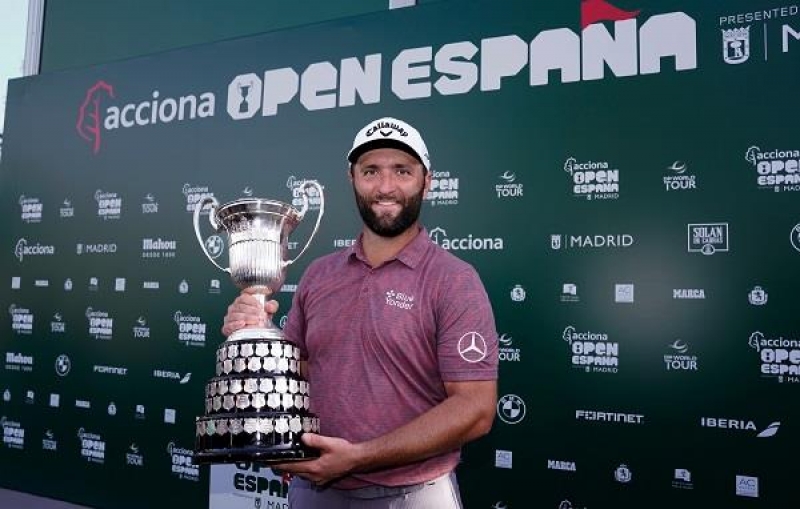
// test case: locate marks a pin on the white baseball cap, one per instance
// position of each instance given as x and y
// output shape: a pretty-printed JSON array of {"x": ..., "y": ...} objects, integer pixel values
[{"x": 388, "y": 132}]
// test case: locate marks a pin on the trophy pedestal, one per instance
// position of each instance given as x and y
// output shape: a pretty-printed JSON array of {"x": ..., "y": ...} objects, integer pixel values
[{"x": 257, "y": 407}]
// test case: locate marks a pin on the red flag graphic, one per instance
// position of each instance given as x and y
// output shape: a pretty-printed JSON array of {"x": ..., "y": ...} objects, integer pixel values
[
  {"x": 89, "y": 122},
  {"x": 593, "y": 11}
]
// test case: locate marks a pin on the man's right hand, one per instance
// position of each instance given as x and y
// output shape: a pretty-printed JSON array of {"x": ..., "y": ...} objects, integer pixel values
[{"x": 247, "y": 312}]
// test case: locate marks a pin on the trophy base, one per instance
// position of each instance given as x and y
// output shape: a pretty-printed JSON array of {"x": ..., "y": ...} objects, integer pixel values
[
  {"x": 252, "y": 455},
  {"x": 267, "y": 438}
]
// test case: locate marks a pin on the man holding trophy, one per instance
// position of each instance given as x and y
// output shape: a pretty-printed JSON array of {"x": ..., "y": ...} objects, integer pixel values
[{"x": 397, "y": 341}]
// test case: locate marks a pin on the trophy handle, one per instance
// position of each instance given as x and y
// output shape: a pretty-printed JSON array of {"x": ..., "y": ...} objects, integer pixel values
[
  {"x": 305, "y": 184},
  {"x": 214, "y": 224}
]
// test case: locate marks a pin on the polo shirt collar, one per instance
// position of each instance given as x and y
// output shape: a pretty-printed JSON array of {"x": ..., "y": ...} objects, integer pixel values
[{"x": 410, "y": 255}]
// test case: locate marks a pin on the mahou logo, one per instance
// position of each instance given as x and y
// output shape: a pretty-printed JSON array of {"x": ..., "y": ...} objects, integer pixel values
[{"x": 90, "y": 121}]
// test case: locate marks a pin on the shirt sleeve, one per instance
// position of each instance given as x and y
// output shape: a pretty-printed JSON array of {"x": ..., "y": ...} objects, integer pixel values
[
  {"x": 466, "y": 336},
  {"x": 295, "y": 328}
]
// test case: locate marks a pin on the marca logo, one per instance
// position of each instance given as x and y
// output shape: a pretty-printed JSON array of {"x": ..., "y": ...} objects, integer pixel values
[
  {"x": 469, "y": 243},
  {"x": 92, "y": 120},
  {"x": 568, "y": 466},
  {"x": 688, "y": 293}
]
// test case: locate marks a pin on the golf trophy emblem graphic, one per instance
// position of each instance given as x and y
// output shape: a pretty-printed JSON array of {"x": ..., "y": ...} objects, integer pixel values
[{"x": 257, "y": 405}]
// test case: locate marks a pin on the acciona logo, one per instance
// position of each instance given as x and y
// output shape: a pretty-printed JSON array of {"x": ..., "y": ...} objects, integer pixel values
[
  {"x": 142, "y": 111},
  {"x": 779, "y": 356},
  {"x": 23, "y": 248},
  {"x": 776, "y": 170},
  {"x": 469, "y": 243},
  {"x": 593, "y": 180}
]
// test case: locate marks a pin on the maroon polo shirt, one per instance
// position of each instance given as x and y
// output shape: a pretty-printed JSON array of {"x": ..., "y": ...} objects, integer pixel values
[{"x": 381, "y": 341}]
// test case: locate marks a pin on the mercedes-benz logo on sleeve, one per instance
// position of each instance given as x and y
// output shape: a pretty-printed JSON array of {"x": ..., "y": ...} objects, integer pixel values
[{"x": 472, "y": 347}]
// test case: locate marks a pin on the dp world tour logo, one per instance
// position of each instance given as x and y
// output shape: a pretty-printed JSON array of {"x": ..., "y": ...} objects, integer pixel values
[{"x": 90, "y": 122}]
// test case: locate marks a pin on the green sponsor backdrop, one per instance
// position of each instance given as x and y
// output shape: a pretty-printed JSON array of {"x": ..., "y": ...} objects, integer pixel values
[{"x": 658, "y": 391}]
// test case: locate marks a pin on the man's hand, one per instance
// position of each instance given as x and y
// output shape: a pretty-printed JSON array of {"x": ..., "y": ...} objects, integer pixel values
[
  {"x": 338, "y": 457},
  {"x": 246, "y": 311}
]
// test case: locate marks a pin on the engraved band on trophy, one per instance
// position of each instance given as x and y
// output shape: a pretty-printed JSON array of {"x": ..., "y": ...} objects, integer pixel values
[{"x": 256, "y": 407}]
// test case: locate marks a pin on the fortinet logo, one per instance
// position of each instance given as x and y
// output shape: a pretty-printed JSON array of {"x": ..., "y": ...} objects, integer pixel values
[
  {"x": 614, "y": 417},
  {"x": 110, "y": 370}
]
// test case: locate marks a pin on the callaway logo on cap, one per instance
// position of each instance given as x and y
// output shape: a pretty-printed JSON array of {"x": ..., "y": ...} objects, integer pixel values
[{"x": 389, "y": 132}]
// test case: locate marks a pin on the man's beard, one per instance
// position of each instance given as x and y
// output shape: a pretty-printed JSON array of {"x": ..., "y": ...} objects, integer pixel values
[{"x": 388, "y": 226}]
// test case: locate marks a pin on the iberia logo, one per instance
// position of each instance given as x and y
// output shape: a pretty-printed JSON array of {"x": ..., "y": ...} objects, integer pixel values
[
  {"x": 593, "y": 11},
  {"x": 89, "y": 124}
]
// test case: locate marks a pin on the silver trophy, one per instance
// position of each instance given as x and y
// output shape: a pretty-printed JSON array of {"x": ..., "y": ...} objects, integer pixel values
[{"x": 256, "y": 407}]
